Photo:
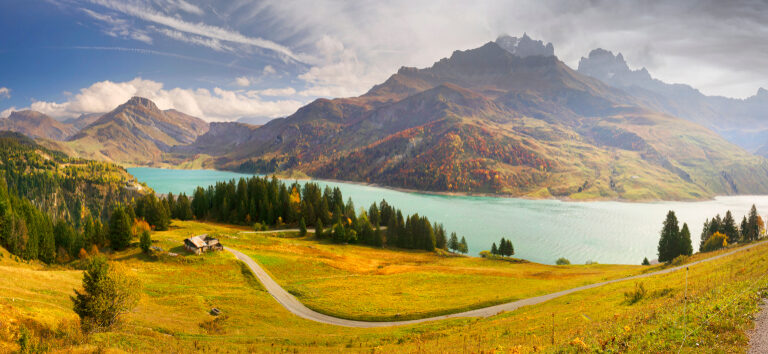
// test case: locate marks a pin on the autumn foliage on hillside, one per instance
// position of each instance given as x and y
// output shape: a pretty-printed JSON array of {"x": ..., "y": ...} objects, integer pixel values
[{"x": 441, "y": 156}]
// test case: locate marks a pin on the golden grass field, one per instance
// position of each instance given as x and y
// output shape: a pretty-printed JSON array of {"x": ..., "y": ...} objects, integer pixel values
[{"x": 178, "y": 293}]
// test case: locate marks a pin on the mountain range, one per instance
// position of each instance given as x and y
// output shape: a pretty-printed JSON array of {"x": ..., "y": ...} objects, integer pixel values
[
  {"x": 742, "y": 121},
  {"x": 506, "y": 118}
]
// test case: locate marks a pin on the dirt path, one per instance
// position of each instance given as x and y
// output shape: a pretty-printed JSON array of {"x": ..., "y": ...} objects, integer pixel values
[
  {"x": 297, "y": 308},
  {"x": 758, "y": 337}
]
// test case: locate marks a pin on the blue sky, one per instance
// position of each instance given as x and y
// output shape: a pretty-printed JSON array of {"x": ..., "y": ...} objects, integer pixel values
[{"x": 222, "y": 60}]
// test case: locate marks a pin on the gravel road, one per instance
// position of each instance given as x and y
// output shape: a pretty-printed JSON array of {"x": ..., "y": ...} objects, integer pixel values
[
  {"x": 758, "y": 337},
  {"x": 297, "y": 308}
]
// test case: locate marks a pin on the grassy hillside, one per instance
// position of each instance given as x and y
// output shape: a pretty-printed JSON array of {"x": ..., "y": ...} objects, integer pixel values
[{"x": 178, "y": 292}]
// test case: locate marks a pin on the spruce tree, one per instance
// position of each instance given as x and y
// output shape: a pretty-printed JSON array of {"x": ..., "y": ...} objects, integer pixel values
[
  {"x": 319, "y": 228},
  {"x": 493, "y": 249},
  {"x": 145, "y": 241},
  {"x": 753, "y": 229},
  {"x": 685, "y": 247},
  {"x": 728, "y": 227},
  {"x": 302, "y": 227},
  {"x": 669, "y": 242},
  {"x": 463, "y": 248},
  {"x": 119, "y": 228},
  {"x": 743, "y": 229},
  {"x": 453, "y": 242}
]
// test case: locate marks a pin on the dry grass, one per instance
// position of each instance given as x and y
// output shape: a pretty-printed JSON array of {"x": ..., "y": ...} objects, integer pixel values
[{"x": 178, "y": 293}]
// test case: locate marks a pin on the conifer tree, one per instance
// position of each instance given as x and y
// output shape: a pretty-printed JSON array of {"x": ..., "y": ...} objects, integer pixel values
[
  {"x": 302, "y": 227},
  {"x": 319, "y": 228},
  {"x": 728, "y": 227},
  {"x": 685, "y": 247},
  {"x": 145, "y": 241},
  {"x": 494, "y": 250},
  {"x": 463, "y": 248},
  {"x": 669, "y": 242},
  {"x": 119, "y": 228},
  {"x": 453, "y": 242},
  {"x": 753, "y": 228}
]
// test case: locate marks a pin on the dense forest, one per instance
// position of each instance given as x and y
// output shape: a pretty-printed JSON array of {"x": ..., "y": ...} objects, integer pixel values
[
  {"x": 268, "y": 202},
  {"x": 52, "y": 206},
  {"x": 63, "y": 187}
]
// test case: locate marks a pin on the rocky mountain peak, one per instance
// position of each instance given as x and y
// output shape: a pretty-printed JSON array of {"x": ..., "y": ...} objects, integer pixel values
[
  {"x": 525, "y": 46},
  {"x": 613, "y": 69},
  {"x": 145, "y": 103}
]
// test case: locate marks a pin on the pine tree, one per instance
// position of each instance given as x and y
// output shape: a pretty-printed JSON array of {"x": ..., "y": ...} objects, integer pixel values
[
  {"x": 685, "y": 247},
  {"x": 453, "y": 242},
  {"x": 463, "y": 248},
  {"x": 119, "y": 228},
  {"x": 645, "y": 262},
  {"x": 669, "y": 242},
  {"x": 145, "y": 241},
  {"x": 728, "y": 227},
  {"x": 319, "y": 228},
  {"x": 493, "y": 249},
  {"x": 302, "y": 227},
  {"x": 753, "y": 229}
]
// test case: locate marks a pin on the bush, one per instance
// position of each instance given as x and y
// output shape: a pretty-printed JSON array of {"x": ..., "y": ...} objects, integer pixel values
[
  {"x": 715, "y": 242},
  {"x": 679, "y": 260},
  {"x": 562, "y": 261},
  {"x": 260, "y": 227},
  {"x": 632, "y": 297}
]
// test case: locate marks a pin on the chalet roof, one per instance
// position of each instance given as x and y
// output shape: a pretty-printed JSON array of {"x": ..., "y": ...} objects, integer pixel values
[{"x": 198, "y": 241}]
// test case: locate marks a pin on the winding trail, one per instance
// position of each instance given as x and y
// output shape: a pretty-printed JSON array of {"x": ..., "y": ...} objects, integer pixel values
[{"x": 297, "y": 308}]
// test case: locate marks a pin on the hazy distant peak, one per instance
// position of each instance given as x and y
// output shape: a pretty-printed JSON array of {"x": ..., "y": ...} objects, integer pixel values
[
  {"x": 613, "y": 69},
  {"x": 525, "y": 46}
]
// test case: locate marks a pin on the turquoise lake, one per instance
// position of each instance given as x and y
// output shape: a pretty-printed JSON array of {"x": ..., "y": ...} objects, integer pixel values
[{"x": 541, "y": 230}]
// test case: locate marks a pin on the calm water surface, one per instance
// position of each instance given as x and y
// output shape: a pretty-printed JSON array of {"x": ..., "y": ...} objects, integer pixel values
[{"x": 541, "y": 230}]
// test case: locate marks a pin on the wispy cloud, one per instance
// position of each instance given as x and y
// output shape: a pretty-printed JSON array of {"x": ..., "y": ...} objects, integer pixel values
[
  {"x": 166, "y": 54},
  {"x": 202, "y": 29},
  {"x": 5, "y": 92},
  {"x": 214, "y": 44},
  {"x": 117, "y": 27},
  {"x": 243, "y": 81}
]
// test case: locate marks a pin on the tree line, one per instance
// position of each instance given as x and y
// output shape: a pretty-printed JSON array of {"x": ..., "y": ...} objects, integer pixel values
[
  {"x": 719, "y": 232},
  {"x": 716, "y": 233},
  {"x": 268, "y": 202}
]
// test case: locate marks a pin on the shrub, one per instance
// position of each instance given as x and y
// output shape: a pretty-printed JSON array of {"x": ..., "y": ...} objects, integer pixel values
[
  {"x": 679, "y": 260},
  {"x": 562, "y": 261},
  {"x": 632, "y": 297},
  {"x": 715, "y": 242}
]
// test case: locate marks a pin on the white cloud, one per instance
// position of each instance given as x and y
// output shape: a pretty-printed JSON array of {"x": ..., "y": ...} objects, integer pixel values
[
  {"x": 201, "y": 29},
  {"x": 5, "y": 92},
  {"x": 117, "y": 27},
  {"x": 243, "y": 81},
  {"x": 268, "y": 70},
  {"x": 212, "y": 105},
  {"x": 274, "y": 92},
  {"x": 7, "y": 112}
]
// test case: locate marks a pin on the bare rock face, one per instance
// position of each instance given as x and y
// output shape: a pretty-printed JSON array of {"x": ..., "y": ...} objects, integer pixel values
[
  {"x": 525, "y": 46},
  {"x": 222, "y": 137}
]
